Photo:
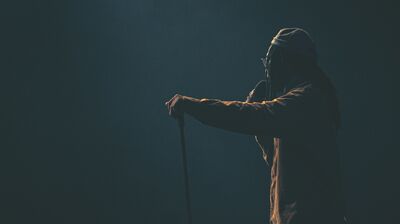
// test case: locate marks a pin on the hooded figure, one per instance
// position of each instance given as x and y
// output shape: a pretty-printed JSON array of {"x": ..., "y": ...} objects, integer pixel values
[{"x": 295, "y": 117}]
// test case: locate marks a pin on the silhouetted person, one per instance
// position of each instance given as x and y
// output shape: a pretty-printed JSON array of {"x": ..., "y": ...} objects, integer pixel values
[{"x": 295, "y": 117}]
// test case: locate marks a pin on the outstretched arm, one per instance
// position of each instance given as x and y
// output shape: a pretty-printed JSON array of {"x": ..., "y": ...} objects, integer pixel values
[{"x": 271, "y": 118}]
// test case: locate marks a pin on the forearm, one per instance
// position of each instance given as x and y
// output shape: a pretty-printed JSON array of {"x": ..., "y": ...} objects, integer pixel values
[{"x": 236, "y": 116}]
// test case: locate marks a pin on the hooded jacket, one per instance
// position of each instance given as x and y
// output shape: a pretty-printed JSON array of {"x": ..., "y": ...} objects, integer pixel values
[{"x": 305, "y": 174}]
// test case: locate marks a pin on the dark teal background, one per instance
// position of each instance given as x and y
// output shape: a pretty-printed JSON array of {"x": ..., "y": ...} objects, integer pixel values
[{"x": 86, "y": 137}]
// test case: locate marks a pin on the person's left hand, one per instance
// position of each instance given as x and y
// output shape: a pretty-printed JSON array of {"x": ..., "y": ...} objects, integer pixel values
[
  {"x": 258, "y": 94},
  {"x": 175, "y": 106}
]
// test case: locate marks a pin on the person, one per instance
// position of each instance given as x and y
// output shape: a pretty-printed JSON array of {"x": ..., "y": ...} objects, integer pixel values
[{"x": 295, "y": 117}]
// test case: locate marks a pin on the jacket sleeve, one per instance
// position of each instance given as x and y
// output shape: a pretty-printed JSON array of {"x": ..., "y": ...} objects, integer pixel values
[{"x": 274, "y": 118}]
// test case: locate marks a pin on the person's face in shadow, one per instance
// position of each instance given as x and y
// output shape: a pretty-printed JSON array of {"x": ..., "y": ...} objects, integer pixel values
[{"x": 275, "y": 68}]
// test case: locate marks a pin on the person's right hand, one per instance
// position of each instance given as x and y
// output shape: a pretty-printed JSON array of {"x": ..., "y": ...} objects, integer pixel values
[{"x": 175, "y": 106}]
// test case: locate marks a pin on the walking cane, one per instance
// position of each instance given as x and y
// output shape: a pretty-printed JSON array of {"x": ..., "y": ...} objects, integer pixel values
[{"x": 185, "y": 169}]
